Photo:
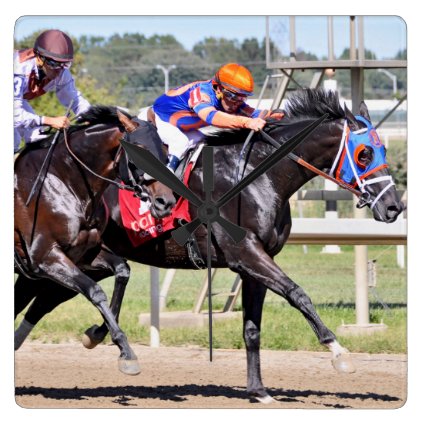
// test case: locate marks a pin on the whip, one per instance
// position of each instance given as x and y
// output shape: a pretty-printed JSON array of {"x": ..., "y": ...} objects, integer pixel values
[{"x": 46, "y": 163}]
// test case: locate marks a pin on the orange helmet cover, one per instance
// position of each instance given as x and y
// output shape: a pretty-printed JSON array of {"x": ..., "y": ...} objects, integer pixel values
[{"x": 236, "y": 78}]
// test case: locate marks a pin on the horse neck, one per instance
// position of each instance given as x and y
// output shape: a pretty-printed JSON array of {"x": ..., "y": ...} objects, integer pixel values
[{"x": 319, "y": 150}]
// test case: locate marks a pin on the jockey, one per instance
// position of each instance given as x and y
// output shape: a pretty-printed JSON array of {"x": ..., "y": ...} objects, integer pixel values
[
  {"x": 39, "y": 70},
  {"x": 220, "y": 101}
]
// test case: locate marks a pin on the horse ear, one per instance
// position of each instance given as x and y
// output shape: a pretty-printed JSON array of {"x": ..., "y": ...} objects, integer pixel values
[
  {"x": 353, "y": 124},
  {"x": 363, "y": 111},
  {"x": 128, "y": 124}
]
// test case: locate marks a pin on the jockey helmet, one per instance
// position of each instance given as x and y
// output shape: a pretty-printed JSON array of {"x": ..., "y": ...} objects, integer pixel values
[
  {"x": 235, "y": 78},
  {"x": 54, "y": 44}
]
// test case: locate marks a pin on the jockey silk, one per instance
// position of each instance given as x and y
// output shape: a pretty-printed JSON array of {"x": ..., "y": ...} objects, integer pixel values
[
  {"x": 28, "y": 84},
  {"x": 180, "y": 106}
]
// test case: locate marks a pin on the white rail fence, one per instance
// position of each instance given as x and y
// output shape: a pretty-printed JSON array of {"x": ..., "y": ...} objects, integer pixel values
[{"x": 322, "y": 231}]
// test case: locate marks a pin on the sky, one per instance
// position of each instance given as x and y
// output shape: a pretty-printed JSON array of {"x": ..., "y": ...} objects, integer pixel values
[{"x": 385, "y": 35}]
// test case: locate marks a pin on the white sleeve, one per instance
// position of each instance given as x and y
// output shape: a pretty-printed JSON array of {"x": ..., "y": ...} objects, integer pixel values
[
  {"x": 66, "y": 92},
  {"x": 22, "y": 116}
]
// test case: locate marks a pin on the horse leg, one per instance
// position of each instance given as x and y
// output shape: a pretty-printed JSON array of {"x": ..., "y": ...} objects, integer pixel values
[
  {"x": 60, "y": 268},
  {"x": 253, "y": 295},
  {"x": 48, "y": 297},
  {"x": 121, "y": 270},
  {"x": 257, "y": 264},
  {"x": 25, "y": 290}
]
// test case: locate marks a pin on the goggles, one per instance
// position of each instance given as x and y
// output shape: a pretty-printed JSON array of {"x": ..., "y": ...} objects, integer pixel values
[
  {"x": 232, "y": 96},
  {"x": 53, "y": 64}
]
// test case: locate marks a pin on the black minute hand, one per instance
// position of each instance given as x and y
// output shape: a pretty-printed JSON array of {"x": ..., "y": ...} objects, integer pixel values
[
  {"x": 146, "y": 161},
  {"x": 237, "y": 233},
  {"x": 270, "y": 161}
]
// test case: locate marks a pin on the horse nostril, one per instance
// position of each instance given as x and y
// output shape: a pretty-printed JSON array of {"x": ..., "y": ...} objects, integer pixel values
[
  {"x": 393, "y": 211},
  {"x": 160, "y": 202}
]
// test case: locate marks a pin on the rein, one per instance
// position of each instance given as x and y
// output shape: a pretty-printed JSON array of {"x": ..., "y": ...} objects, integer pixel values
[
  {"x": 309, "y": 166},
  {"x": 116, "y": 158},
  {"x": 363, "y": 195}
]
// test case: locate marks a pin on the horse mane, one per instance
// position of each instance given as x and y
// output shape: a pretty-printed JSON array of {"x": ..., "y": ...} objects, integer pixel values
[
  {"x": 313, "y": 103},
  {"x": 100, "y": 114},
  {"x": 303, "y": 104}
]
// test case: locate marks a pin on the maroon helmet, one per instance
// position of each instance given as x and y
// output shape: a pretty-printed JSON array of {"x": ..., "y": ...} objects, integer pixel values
[{"x": 54, "y": 44}]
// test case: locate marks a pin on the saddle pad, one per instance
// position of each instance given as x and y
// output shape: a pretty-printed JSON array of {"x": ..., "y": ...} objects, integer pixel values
[{"x": 140, "y": 225}]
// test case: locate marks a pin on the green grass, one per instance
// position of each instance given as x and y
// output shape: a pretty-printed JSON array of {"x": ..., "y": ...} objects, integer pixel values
[{"x": 328, "y": 279}]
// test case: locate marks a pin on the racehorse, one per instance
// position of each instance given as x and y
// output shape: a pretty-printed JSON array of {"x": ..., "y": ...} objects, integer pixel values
[
  {"x": 59, "y": 231},
  {"x": 263, "y": 209}
]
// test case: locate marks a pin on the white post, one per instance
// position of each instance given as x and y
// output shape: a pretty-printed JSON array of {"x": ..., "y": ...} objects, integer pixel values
[
  {"x": 361, "y": 276},
  {"x": 400, "y": 251},
  {"x": 330, "y": 213},
  {"x": 166, "y": 71},
  {"x": 168, "y": 278},
  {"x": 155, "y": 307}
]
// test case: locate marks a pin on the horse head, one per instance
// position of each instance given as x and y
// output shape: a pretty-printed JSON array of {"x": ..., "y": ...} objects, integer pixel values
[
  {"x": 144, "y": 135},
  {"x": 347, "y": 147},
  {"x": 363, "y": 165}
]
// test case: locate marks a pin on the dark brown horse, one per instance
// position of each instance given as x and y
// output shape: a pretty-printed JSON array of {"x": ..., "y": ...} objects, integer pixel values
[
  {"x": 263, "y": 210},
  {"x": 59, "y": 232}
]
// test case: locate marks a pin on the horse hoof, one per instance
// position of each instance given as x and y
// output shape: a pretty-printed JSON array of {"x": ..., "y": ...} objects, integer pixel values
[
  {"x": 90, "y": 339},
  {"x": 129, "y": 367},
  {"x": 343, "y": 364},
  {"x": 265, "y": 399}
]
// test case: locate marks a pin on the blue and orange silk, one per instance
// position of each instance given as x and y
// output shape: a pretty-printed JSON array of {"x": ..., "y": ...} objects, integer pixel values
[{"x": 180, "y": 106}]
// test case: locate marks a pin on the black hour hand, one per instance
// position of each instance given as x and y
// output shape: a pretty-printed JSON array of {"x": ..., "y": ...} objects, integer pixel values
[
  {"x": 208, "y": 213},
  {"x": 146, "y": 161}
]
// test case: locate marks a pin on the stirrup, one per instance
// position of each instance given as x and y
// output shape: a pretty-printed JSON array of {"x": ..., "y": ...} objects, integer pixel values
[{"x": 173, "y": 162}]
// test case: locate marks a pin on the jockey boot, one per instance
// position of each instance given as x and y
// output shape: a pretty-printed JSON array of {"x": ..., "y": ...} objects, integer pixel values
[{"x": 173, "y": 162}]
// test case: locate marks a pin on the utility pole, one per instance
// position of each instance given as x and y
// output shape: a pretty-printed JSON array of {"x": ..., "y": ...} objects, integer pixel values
[
  {"x": 166, "y": 71},
  {"x": 392, "y": 77}
]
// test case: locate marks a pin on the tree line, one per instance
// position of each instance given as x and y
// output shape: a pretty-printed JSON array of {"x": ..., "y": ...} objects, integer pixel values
[{"x": 122, "y": 69}]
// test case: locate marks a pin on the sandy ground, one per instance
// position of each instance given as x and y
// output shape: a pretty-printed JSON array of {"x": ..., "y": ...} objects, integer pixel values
[{"x": 69, "y": 376}]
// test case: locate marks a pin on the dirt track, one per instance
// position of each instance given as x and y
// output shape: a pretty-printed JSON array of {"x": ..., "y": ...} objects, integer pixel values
[{"x": 69, "y": 376}]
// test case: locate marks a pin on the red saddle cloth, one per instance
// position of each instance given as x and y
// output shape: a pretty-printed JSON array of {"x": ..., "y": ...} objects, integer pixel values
[{"x": 140, "y": 225}]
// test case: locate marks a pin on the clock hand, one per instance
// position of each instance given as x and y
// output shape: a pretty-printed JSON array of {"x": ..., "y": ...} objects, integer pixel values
[
  {"x": 270, "y": 161},
  {"x": 208, "y": 186},
  {"x": 154, "y": 167},
  {"x": 208, "y": 172},
  {"x": 146, "y": 161},
  {"x": 182, "y": 234}
]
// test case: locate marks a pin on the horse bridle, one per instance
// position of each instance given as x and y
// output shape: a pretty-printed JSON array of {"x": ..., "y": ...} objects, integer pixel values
[
  {"x": 133, "y": 187},
  {"x": 363, "y": 195}
]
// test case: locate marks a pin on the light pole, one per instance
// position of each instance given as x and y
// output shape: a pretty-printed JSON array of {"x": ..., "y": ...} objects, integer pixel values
[
  {"x": 166, "y": 71},
  {"x": 392, "y": 77}
]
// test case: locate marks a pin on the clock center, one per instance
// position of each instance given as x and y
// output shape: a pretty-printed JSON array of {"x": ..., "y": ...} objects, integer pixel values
[{"x": 207, "y": 212}]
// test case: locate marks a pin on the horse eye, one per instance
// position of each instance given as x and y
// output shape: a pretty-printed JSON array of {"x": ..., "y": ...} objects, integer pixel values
[{"x": 365, "y": 156}]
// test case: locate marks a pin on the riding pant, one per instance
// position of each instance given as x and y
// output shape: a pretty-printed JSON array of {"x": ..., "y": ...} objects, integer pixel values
[
  {"x": 29, "y": 133},
  {"x": 176, "y": 140}
]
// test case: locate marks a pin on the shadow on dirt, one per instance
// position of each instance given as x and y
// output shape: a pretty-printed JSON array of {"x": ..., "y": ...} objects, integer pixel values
[{"x": 179, "y": 393}]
